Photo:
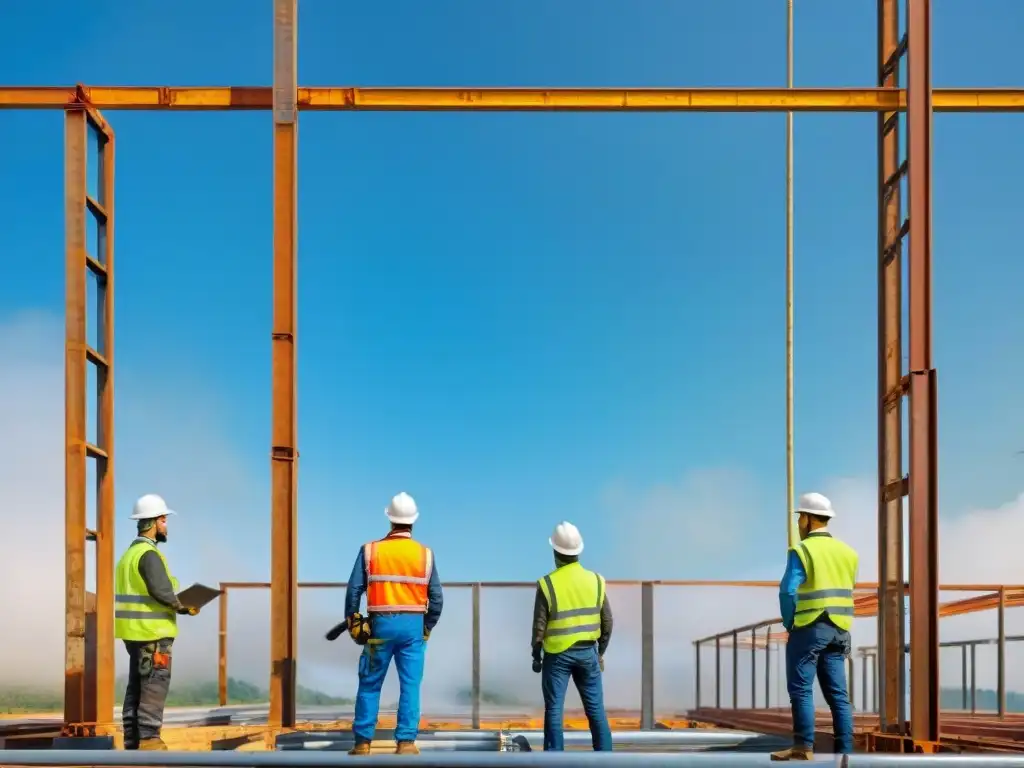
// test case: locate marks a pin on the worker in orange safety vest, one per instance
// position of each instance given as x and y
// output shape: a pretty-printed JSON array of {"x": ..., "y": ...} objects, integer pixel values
[{"x": 403, "y": 604}]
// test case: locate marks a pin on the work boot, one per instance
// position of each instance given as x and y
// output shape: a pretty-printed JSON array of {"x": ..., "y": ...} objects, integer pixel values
[
  {"x": 361, "y": 748},
  {"x": 794, "y": 753},
  {"x": 153, "y": 744},
  {"x": 407, "y": 748}
]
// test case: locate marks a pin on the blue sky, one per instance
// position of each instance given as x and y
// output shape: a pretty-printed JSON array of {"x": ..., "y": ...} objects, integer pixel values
[{"x": 520, "y": 318}]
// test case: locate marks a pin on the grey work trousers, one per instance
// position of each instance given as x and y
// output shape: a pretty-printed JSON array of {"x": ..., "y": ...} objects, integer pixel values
[{"x": 149, "y": 679}]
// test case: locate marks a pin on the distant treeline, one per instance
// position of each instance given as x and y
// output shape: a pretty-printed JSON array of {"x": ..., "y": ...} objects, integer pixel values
[{"x": 14, "y": 700}]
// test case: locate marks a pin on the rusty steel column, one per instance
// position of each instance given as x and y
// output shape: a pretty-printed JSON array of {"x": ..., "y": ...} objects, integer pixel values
[
  {"x": 75, "y": 381},
  {"x": 890, "y": 683},
  {"x": 923, "y": 482},
  {"x": 102, "y": 358},
  {"x": 222, "y": 648},
  {"x": 284, "y": 453},
  {"x": 89, "y": 618},
  {"x": 863, "y": 684}
]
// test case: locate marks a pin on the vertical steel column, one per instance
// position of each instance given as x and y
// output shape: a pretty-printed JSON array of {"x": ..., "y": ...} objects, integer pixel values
[
  {"x": 735, "y": 671},
  {"x": 476, "y": 656},
  {"x": 890, "y": 683},
  {"x": 923, "y": 481},
  {"x": 89, "y": 672},
  {"x": 753, "y": 668},
  {"x": 864, "y": 683},
  {"x": 974, "y": 679},
  {"x": 647, "y": 656},
  {"x": 963, "y": 677},
  {"x": 874, "y": 687},
  {"x": 768, "y": 668},
  {"x": 222, "y": 648},
  {"x": 696, "y": 675},
  {"x": 718, "y": 672},
  {"x": 1001, "y": 657},
  {"x": 103, "y": 359},
  {"x": 75, "y": 418},
  {"x": 284, "y": 453}
]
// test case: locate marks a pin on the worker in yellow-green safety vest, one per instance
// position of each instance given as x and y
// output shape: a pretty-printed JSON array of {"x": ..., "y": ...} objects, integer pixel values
[
  {"x": 816, "y": 599},
  {"x": 146, "y": 609},
  {"x": 572, "y": 625}
]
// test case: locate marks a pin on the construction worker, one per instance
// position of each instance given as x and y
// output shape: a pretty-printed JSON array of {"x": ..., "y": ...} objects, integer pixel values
[
  {"x": 816, "y": 600},
  {"x": 146, "y": 611},
  {"x": 572, "y": 625},
  {"x": 403, "y": 604}
]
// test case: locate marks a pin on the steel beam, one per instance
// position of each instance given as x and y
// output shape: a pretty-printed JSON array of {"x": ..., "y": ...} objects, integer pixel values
[
  {"x": 647, "y": 656},
  {"x": 222, "y": 648},
  {"x": 890, "y": 683},
  {"x": 75, "y": 380},
  {"x": 284, "y": 452},
  {"x": 102, "y": 359},
  {"x": 88, "y": 672},
  {"x": 470, "y": 99},
  {"x": 923, "y": 455}
]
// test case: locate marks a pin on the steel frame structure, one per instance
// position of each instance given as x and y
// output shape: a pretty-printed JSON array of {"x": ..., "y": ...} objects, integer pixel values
[{"x": 89, "y": 674}]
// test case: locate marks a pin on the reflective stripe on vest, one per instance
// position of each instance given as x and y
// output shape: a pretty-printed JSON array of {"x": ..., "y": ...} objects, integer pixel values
[
  {"x": 831, "y": 568},
  {"x": 137, "y": 616},
  {"x": 398, "y": 572},
  {"x": 575, "y": 597}
]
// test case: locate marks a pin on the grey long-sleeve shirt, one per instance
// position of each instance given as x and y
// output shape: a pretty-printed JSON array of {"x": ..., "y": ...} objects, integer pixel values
[
  {"x": 158, "y": 582},
  {"x": 541, "y": 611}
]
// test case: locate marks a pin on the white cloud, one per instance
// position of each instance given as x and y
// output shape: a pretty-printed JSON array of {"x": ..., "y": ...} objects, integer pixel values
[{"x": 715, "y": 522}]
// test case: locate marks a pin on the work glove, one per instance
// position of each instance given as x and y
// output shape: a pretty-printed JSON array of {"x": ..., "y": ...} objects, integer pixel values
[
  {"x": 181, "y": 610},
  {"x": 538, "y": 664},
  {"x": 600, "y": 662},
  {"x": 426, "y": 635},
  {"x": 359, "y": 628}
]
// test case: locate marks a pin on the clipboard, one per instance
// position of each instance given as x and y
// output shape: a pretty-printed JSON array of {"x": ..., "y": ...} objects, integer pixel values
[{"x": 198, "y": 595}]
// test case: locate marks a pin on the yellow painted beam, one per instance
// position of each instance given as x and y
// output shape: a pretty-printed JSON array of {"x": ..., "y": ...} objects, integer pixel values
[{"x": 517, "y": 99}]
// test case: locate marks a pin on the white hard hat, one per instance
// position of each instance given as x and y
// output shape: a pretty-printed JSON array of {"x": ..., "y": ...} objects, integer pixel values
[
  {"x": 402, "y": 510},
  {"x": 566, "y": 539},
  {"x": 149, "y": 507},
  {"x": 815, "y": 504}
]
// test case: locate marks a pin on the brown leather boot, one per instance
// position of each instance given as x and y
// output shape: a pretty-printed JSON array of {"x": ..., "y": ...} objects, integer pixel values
[
  {"x": 153, "y": 744},
  {"x": 361, "y": 748},
  {"x": 407, "y": 748},
  {"x": 794, "y": 753}
]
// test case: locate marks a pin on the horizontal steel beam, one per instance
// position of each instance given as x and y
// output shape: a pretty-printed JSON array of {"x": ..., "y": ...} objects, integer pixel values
[{"x": 515, "y": 99}]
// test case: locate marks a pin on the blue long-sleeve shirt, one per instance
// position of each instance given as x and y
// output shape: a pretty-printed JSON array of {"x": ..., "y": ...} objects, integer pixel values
[
  {"x": 794, "y": 576},
  {"x": 357, "y": 588}
]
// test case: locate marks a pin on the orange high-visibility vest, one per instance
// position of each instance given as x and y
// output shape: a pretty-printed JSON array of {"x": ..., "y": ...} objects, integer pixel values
[{"x": 397, "y": 574}]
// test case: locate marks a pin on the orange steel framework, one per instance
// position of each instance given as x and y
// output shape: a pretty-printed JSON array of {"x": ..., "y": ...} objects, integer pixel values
[{"x": 89, "y": 665}]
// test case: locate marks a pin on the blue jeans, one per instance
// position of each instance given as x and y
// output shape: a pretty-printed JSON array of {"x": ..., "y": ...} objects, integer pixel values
[
  {"x": 581, "y": 664},
  {"x": 399, "y": 637},
  {"x": 819, "y": 649}
]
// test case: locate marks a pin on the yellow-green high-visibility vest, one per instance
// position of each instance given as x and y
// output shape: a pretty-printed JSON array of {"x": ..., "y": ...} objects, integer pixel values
[
  {"x": 575, "y": 597},
  {"x": 831, "y": 568},
  {"x": 137, "y": 616}
]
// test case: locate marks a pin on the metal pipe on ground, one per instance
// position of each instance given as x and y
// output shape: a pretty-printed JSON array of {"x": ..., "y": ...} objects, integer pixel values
[{"x": 312, "y": 759}]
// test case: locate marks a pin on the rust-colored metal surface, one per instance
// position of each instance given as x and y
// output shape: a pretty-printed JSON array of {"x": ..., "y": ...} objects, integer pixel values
[
  {"x": 923, "y": 455},
  {"x": 284, "y": 451},
  {"x": 891, "y": 384},
  {"x": 89, "y": 659},
  {"x": 471, "y": 99},
  {"x": 88, "y": 671}
]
